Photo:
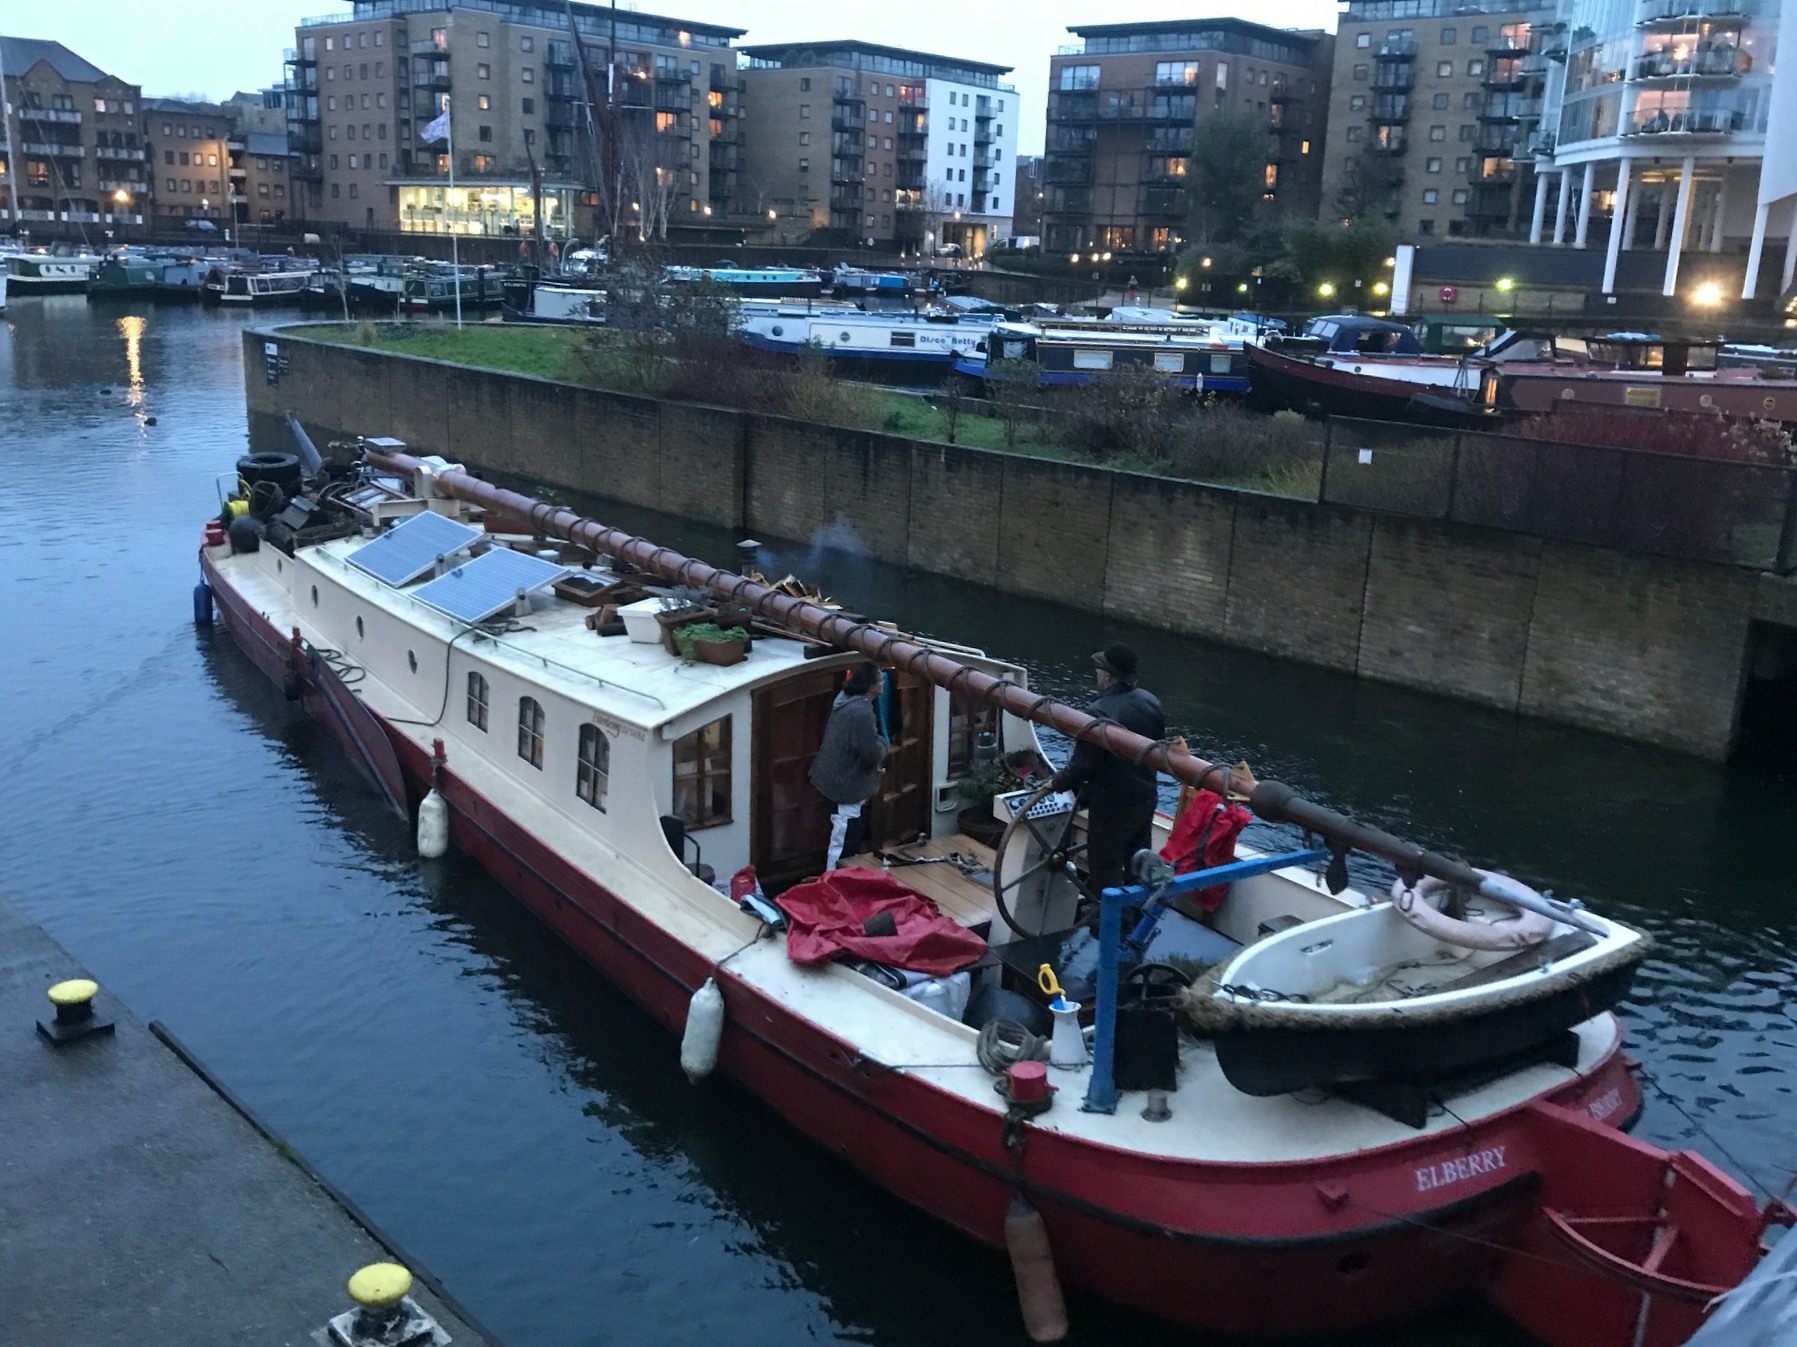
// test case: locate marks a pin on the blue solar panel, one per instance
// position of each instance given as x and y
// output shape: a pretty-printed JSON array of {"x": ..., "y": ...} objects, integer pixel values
[
  {"x": 406, "y": 551},
  {"x": 489, "y": 584}
]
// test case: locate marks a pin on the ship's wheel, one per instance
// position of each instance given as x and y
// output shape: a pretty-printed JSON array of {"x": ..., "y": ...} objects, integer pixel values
[{"x": 1039, "y": 888}]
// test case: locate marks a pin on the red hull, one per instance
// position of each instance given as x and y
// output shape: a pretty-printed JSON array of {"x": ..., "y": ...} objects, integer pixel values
[{"x": 1308, "y": 1248}]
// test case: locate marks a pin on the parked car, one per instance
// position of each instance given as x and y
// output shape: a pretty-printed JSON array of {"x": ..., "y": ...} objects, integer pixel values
[
  {"x": 202, "y": 226},
  {"x": 948, "y": 250}
]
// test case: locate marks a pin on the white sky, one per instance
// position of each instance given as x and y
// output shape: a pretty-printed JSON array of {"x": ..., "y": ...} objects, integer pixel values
[{"x": 215, "y": 47}]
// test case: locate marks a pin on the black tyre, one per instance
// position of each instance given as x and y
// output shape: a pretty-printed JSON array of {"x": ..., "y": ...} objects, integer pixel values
[{"x": 281, "y": 469}]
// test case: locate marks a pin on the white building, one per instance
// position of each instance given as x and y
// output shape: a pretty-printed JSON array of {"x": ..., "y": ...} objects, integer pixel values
[
  {"x": 970, "y": 161},
  {"x": 1658, "y": 113}
]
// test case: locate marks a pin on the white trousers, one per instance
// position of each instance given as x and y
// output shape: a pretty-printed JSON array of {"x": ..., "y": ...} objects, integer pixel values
[{"x": 839, "y": 831}]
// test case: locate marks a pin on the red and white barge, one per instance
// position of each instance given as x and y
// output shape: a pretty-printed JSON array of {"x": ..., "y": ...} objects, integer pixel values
[{"x": 561, "y": 754}]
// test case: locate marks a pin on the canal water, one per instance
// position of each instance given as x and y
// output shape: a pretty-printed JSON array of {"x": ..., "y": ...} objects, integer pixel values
[{"x": 513, "y": 1123}]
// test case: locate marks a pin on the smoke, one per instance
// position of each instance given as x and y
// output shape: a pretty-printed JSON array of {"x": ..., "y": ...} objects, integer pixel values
[{"x": 830, "y": 546}]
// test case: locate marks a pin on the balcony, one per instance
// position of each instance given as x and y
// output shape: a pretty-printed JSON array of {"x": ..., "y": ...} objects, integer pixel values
[
  {"x": 55, "y": 149},
  {"x": 1390, "y": 145},
  {"x": 1390, "y": 109},
  {"x": 1715, "y": 63},
  {"x": 1509, "y": 108},
  {"x": 848, "y": 98},
  {"x": 306, "y": 169},
  {"x": 67, "y": 116},
  {"x": 1505, "y": 77},
  {"x": 1700, "y": 122},
  {"x": 848, "y": 122},
  {"x": 845, "y": 200},
  {"x": 1399, "y": 48},
  {"x": 1507, "y": 44},
  {"x": 431, "y": 50},
  {"x": 910, "y": 182},
  {"x": 671, "y": 74},
  {"x": 1495, "y": 142},
  {"x": 1490, "y": 201},
  {"x": 560, "y": 56},
  {"x": 1283, "y": 93},
  {"x": 1677, "y": 13},
  {"x": 982, "y": 112},
  {"x": 558, "y": 112},
  {"x": 1164, "y": 203},
  {"x": 304, "y": 139},
  {"x": 1164, "y": 141},
  {"x": 1492, "y": 173},
  {"x": 434, "y": 81},
  {"x": 1394, "y": 76},
  {"x": 845, "y": 171},
  {"x": 1078, "y": 106}
]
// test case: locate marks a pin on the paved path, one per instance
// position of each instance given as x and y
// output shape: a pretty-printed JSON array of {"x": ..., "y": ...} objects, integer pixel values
[{"x": 138, "y": 1206}]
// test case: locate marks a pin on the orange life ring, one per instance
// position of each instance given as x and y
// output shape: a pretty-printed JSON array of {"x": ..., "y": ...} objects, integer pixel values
[{"x": 1519, "y": 929}]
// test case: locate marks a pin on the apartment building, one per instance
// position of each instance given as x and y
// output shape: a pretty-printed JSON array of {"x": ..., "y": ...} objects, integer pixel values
[
  {"x": 260, "y": 119},
  {"x": 363, "y": 87},
  {"x": 1660, "y": 116},
  {"x": 73, "y": 154},
  {"x": 190, "y": 149},
  {"x": 1128, "y": 101},
  {"x": 909, "y": 150},
  {"x": 1435, "y": 109}
]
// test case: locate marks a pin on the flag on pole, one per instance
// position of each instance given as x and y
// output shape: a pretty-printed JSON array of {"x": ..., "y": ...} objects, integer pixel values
[{"x": 438, "y": 129}]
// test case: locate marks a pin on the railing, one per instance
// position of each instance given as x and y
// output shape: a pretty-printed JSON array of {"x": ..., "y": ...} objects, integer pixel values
[
  {"x": 53, "y": 149},
  {"x": 1396, "y": 47},
  {"x": 1669, "y": 505},
  {"x": 848, "y": 123},
  {"x": 1701, "y": 122},
  {"x": 1398, "y": 76},
  {"x": 1711, "y": 64},
  {"x": 67, "y": 115},
  {"x": 1068, "y": 169},
  {"x": 1663, "y": 11}
]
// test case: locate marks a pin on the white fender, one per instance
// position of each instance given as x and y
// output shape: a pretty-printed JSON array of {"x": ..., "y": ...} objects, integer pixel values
[
  {"x": 433, "y": 825},
  {"x": 1417, "y": 906},
  {"x": 704, "y": 1027}
]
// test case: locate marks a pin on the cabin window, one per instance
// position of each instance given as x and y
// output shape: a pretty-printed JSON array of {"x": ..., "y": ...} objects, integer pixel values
[
  {"x": 1169, "y": 362},
  {"x": 702, "y": 775},
  {"x": 593, "y": 775},
  {"x": 477, "y": 701},
  {"x": 530, "y": 731},
  {"x": 968, "y": 719},
  {"x": 360, "y": 633},
  {"x": 902, "y": 339},
  {"x": 1091, "y": 360},
  {"x": 315, "y": 596},
  {"x": 412, "y": 660}
]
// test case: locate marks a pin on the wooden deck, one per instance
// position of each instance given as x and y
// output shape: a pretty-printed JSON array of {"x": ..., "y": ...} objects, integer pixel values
[{"x": 965, "y": 898}]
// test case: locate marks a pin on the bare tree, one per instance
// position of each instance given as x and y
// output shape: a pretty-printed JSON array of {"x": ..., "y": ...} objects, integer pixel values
[
  {"x": 937, "y": 202},
  {"x": 651, "y": 176}
]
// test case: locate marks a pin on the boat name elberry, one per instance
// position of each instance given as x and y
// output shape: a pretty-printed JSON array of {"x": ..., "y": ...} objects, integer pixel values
[{"x": 1460, "y": 1169}]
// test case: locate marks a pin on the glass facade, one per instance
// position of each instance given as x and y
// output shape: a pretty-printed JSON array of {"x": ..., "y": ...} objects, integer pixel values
[
  {"x": 487, "y": 209},
  {"x": 1666, "y": 68}
]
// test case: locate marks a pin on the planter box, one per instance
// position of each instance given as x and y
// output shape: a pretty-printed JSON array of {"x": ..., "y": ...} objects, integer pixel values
[{"x": 720, "y": 652}]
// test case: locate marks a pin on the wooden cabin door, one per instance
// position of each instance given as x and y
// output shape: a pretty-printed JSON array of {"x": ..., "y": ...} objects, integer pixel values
[
  {"x": 789, "y": 819},
  {"x": 901, "y": 810}
]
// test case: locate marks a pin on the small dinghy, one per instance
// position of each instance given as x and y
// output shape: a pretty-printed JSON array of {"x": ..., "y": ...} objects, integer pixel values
[{"x": 1434, "y": 985}]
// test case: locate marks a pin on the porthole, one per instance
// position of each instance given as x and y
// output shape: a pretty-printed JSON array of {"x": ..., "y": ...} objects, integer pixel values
[
  {"x": 359, "y": 631},
  {"x": 412, "y": 661},
  {"x": 1706, "y": 401},
  {"x": 1566, "y": 394},
  {"x": 1770, "y": 404},
  {"x": 315, "y": 596},
  {"x": 777, "y": 330},
  {"x": 843, "y": 337}
]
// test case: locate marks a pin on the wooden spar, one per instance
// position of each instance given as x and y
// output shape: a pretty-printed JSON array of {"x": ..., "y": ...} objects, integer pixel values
[{"x": 1270, "y": 800}]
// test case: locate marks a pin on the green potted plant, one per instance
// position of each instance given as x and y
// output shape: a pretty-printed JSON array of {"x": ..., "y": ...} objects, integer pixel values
[{"x": 708, "y": 643}]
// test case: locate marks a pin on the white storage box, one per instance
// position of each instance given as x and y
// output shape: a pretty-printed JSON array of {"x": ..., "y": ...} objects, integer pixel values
[{"x": 639, "y": 620}]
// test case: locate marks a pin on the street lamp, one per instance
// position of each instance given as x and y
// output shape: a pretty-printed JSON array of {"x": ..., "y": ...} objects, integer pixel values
[
  {"x": 1505, "y": 285},
  {"x": 1326, "y": 289}
]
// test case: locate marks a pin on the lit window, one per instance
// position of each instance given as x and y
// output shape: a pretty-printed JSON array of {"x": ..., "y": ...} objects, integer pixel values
[
  {"x": 530, "y": 731},
  {"x": 702, "y": 775},
  {"x": 483, "y": 102},
  {"x": 593, "y": 775}
]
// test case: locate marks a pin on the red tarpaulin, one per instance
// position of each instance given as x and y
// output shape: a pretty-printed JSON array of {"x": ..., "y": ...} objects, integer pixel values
[
  {"x": 828, "y": 916},
  {"x": 1214, "y": 826}
]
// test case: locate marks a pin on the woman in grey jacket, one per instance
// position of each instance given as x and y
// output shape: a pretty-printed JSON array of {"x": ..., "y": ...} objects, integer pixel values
[{"x": 846, "y": 770}]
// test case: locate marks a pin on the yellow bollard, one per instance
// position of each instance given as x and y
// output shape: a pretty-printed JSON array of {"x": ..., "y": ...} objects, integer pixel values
[{"x": 75, "y": 1018}]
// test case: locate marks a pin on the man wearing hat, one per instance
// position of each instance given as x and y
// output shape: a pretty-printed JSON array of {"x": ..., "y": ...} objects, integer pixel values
[{"x": 1119, "y": 796}]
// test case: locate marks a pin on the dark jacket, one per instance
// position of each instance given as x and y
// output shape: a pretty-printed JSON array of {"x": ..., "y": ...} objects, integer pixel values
[
  {"x": 1106, "y": 780},
  {"x": 847, "y": 767}
]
